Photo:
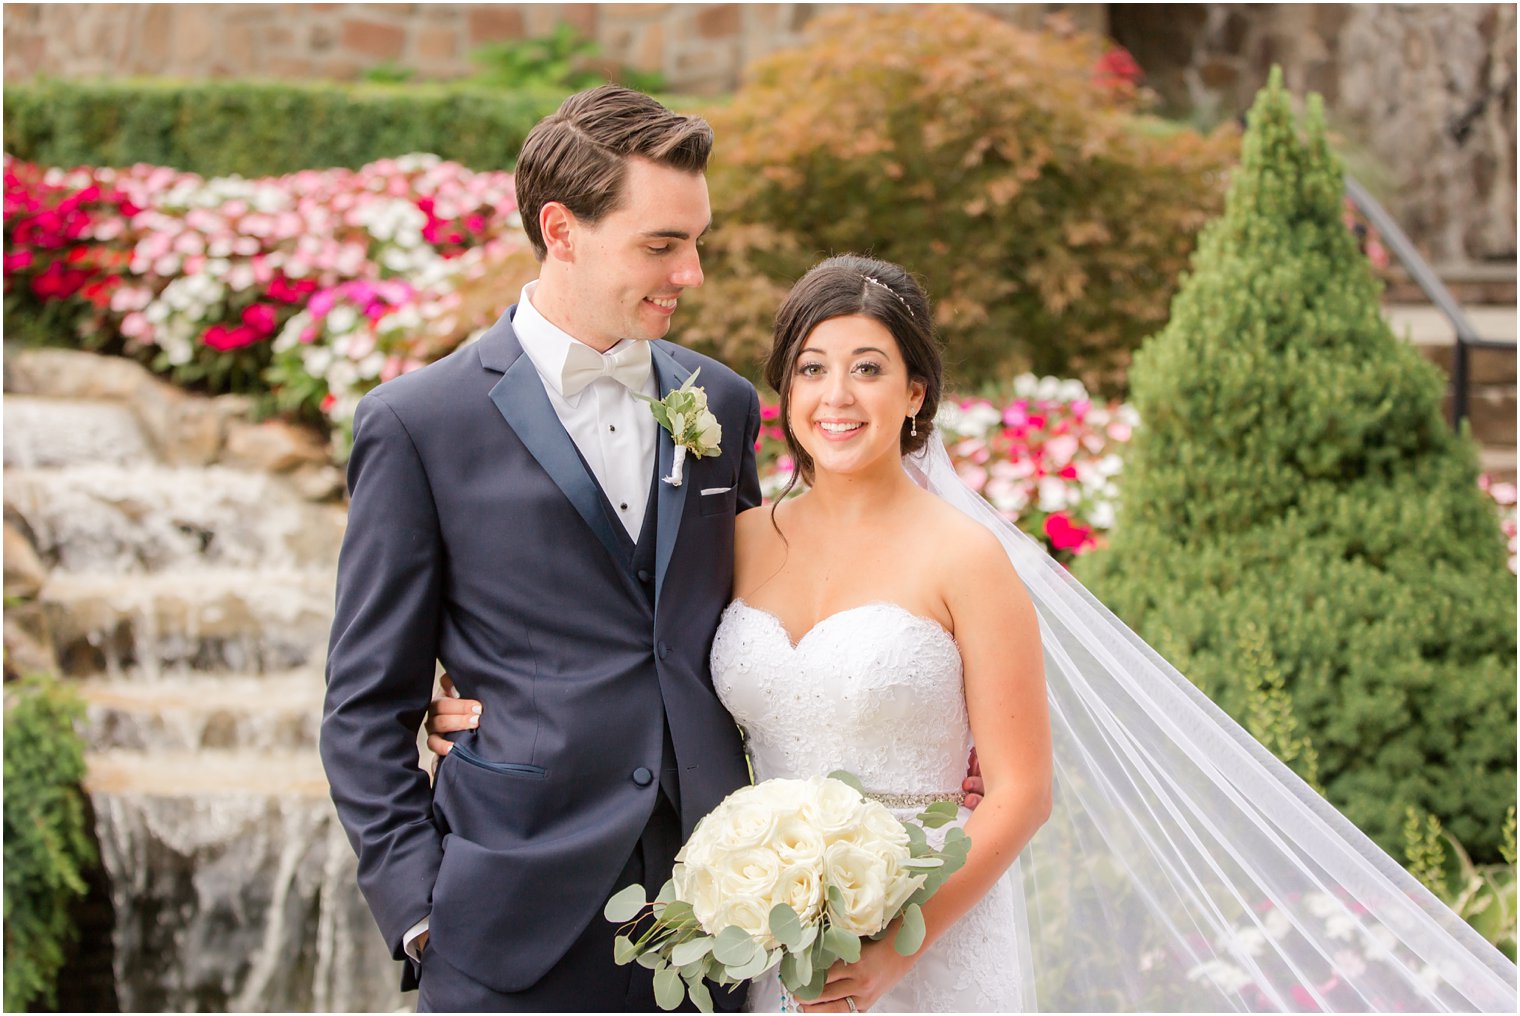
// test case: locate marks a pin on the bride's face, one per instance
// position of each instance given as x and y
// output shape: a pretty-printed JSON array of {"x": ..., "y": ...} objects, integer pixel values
[{"x": 851, "y": 395}]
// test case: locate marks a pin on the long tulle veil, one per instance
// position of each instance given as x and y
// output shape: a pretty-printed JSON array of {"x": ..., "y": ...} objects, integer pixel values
[{"x": 1185, "y": 868}]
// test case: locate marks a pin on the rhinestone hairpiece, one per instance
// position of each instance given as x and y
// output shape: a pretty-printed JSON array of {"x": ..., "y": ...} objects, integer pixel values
[{"x": 877, "y": 282}]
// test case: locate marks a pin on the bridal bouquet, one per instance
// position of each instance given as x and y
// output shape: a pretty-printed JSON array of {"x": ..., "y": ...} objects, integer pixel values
[{"x": 788, "y": 872}]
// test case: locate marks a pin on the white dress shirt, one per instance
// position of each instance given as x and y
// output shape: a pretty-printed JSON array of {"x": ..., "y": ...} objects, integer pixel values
[{"x": 615, "y": 432}]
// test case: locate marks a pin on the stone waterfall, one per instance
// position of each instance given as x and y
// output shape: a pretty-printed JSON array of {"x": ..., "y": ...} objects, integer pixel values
[{"x": 185, "y": 558}]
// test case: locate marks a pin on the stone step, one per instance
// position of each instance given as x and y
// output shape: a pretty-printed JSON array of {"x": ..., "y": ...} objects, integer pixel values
[
  {"x": 135, "y": 518},
  {"x": 1424, "y": 324},
  {"x": 43, "y": 432},
  {"x": 231, "y": 620},
  {"x": 253, "y": 775},
  {"x": 1498, "y": 463},
  {"x": 233, "y": 712}
]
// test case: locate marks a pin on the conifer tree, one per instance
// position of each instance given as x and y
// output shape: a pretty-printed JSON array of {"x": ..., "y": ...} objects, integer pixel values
[{"x": 1294, "y": 495}]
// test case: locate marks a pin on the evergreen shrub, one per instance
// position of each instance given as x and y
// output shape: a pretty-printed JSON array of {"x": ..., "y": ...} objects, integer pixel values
[
  {"x": 1294, "y": 502},
  {"x": 1047, "y": 215},
  {"x": 47, "y": 847},
  {"x": 265, "y": 128}
]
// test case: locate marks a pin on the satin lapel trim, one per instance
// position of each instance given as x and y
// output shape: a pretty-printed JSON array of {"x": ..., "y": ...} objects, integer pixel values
[
  {"x": 520, "y": 398},
  {"x": 672, "y": 500}
]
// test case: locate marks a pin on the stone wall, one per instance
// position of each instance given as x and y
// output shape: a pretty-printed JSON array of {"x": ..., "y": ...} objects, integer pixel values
[
  {"x": 699, "y": 48},
  {"x": 1426, "y": 92}
]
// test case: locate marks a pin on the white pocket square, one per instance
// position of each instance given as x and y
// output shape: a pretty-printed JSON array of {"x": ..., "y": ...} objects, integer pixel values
[{"x": 715, "y": 490}]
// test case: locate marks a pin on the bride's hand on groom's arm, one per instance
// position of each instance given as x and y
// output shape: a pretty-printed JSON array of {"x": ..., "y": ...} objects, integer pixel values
[
  {"x": 972, "y": 784},
  {"x": 448, "y": 714}
]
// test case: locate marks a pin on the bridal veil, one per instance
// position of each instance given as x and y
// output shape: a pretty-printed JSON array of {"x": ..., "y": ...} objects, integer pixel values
[{"x": 1184, "y": 868}]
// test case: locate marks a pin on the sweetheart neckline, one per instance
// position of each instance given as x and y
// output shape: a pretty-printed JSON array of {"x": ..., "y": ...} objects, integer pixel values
[{"x": 796, "y": 644}]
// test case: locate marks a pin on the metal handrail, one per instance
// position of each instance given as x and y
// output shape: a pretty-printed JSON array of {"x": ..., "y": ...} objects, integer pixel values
[{"x": 1435, "y": 291}]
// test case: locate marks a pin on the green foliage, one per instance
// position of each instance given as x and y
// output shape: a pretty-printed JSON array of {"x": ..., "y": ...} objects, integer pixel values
[
  {"x": 1293, "y": 475},
  {"x": 1269, "y": 708},
  {"x": 564, "y": 60},
  {"x": 47, "y": 848},
  {"x": 1046, "y": 214},
  {"x": 1482, "y": 895},
  {"x": 261, "y": 128}
]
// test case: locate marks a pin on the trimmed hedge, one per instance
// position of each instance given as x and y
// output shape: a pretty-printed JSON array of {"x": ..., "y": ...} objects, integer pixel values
[
  {"x": 265, "y": 128},
  {"x": 1294, "y": 503}
]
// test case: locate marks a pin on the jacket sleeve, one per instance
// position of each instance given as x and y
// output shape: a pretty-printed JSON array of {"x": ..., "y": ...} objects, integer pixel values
[
  {"x": 380, "y": 669},
  {"x": 749, "y": 477}
]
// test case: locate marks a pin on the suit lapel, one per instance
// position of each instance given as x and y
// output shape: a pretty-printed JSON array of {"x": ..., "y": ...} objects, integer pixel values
[
  {"x": 520, "y": 398},
  {"x": 672, "y": 500}
]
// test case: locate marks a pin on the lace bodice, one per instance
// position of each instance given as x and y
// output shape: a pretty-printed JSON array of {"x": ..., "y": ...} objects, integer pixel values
[{"x": 874, "y": 690}]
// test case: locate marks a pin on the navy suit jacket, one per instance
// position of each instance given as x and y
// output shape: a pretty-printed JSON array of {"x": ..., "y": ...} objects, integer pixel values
[{"x": 477, "y": 537}]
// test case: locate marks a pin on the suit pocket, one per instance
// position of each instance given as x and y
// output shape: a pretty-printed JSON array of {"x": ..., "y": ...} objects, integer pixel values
[
  {"x": 518, "y": 769},
  {"x": 720, "y": 502}
]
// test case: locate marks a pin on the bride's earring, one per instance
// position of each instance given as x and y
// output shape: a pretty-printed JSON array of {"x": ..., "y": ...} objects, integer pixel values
[{"x": 913, "y": 432}]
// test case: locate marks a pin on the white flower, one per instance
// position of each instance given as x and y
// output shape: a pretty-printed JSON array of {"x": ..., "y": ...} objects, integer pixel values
[
  {"x": 861, "y": 878},
  {"x": 1228, "y": 977}
]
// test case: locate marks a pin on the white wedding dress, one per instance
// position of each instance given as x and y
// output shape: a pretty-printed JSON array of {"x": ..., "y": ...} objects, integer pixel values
[{"x": 875, "y": 690}]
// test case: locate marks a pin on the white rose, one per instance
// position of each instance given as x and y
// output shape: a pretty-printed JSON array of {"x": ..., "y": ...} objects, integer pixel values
[
  {"x": 797, "y": 842},
  {"x": 745, "y": 820},
  {"x": 801, "y": 888},
  {"x": 834, "y": 808},
  {"x": 861, "y": 877},
  {"x": 709, "y": 432},
  {"x": 749, "y": 913},
  {"x": 697, "y": 885},
  {"x": 749, "y": 872}
]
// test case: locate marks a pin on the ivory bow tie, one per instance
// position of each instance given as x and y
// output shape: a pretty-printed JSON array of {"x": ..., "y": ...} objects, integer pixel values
[{"x": 629, "y": 367}]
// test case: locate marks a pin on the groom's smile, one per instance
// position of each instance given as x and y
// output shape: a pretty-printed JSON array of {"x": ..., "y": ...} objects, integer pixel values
[{"x": 624, "y": 274}]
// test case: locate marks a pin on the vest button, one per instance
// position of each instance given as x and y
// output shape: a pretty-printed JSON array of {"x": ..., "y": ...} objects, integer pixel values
[
  {"x": 644, "y": 576},
  {"x": 643, "y": 777},
  {"x": 663, "y": 650}
]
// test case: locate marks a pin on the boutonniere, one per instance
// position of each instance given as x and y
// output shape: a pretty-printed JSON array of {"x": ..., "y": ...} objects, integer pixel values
[{"x": 692, "y": 426}]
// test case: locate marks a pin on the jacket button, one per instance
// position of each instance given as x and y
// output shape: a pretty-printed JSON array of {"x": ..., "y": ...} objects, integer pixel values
[
  {"x": 644, "y": 576},
  {"x": 663, "y": 650},
  {"x": 643, "y": 777}
]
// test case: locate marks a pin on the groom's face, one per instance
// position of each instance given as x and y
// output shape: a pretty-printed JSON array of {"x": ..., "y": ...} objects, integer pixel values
[{"x": 630, "y": 268}]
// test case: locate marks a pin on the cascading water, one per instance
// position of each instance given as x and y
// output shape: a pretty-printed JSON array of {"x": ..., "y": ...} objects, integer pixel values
[{"x": 191, "y": 605}]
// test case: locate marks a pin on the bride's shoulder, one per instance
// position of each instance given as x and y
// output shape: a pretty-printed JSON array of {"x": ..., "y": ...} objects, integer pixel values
[{"x": 955, "y": 535}]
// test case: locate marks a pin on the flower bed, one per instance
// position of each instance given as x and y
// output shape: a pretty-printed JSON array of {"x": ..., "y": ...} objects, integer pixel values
[
  {"x": 313, "y": 287},
  {"x": 1044, "y": 454}
]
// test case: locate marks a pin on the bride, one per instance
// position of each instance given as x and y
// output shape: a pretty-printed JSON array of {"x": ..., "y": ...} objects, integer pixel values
[
  {"x": 877, "y": 629},
  {"x": 887, "y": 618}
]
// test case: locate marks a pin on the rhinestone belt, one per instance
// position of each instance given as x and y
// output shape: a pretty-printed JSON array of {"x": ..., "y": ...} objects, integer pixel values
[{"x": 915, "y": 800}]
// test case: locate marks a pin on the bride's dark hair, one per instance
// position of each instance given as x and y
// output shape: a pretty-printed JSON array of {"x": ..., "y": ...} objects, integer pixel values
[{"x": 846, "y": 285}]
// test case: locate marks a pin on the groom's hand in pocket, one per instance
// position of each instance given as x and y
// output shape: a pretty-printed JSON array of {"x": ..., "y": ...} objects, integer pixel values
[{"x": 449, "y": 714}]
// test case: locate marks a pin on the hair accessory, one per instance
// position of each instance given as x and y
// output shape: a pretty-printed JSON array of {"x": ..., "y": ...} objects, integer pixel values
[{"x": 877, "y": 282}]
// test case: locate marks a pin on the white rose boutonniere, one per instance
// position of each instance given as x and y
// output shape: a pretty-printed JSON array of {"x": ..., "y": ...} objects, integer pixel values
[{"x": 691, "y": 424}]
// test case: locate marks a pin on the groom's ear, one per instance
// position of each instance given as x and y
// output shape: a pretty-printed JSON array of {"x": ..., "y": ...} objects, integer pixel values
[{"x": 556, "y": 223}]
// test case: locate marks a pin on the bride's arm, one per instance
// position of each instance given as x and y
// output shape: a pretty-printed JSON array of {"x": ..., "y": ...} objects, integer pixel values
[{"x": 999, "y": 638}]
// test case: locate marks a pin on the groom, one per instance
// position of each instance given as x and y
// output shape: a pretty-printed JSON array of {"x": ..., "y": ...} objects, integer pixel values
[{"x": 509, "y": 519}]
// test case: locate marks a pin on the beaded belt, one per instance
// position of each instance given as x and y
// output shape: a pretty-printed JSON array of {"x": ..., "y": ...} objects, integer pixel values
[{"x": 915, "y": 800}]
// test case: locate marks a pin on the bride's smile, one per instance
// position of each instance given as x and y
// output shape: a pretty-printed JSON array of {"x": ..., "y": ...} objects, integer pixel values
[{"x": 851, "y": 395}]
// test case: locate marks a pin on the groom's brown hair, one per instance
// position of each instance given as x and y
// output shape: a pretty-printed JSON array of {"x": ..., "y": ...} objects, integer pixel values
[{"x": 578, "y": 155}]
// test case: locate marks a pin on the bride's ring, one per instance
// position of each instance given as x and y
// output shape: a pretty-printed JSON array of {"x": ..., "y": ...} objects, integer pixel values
[{"x": 849, "y": 1000}]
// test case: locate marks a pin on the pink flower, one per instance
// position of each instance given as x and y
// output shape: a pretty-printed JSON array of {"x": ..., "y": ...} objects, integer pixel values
[
  {"x": 17, "y": 261},
  {"x": 1066, "y": 535},
  {"x": 223, "y": 339},
  {"x": 260, "y": 317}
]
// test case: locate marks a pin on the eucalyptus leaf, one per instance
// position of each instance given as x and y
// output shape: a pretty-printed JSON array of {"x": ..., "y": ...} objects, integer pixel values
[
  {"x": 652, "y": 961},
  {"x": 938, "y": 814},
  {"x": 835, "y": 896},
  {"x": 691, "y": 950},
  {"x": 796, "y": 969},
  {"x": 786, "y": 926},
  {"x": 756, "y": 965},
  {"x": 910, "y": 934},
  {"x": 625, "y": 904},
  {"x": 917, "y": 841},
  {"x": 809, "y": 933},
  {"x": 700, "y": 996},
  {"x": 733, "y": 947},
  {"x": 813, "y": 988},
  {"x": 923, "y": 862},
  {"x": 668, "y": 989},
  {"x": 849, "y": 779},
  {"x": 842, "y": 944},
  {"x": 667, "y": 892},
  {"x": 623, "y": 950},
  {"x": 677, "y": 911}
]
